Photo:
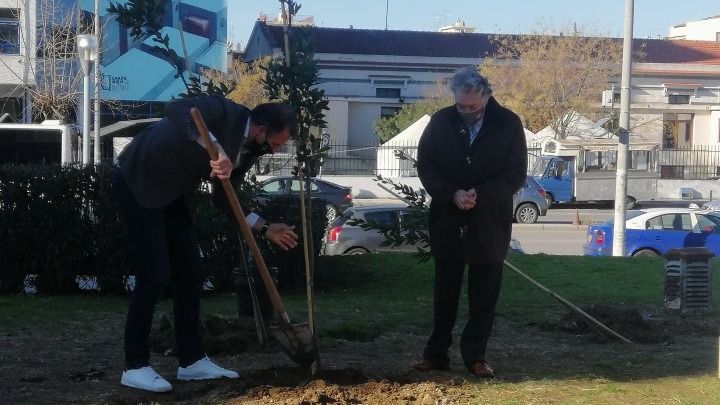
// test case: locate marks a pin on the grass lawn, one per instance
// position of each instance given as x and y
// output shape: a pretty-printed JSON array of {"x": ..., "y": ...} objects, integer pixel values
[{"x": 364, "y": 298}]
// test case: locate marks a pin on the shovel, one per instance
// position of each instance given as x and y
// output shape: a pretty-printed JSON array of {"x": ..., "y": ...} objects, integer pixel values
[
  {"x": 259, "y": 323},
  {"x": 295, "y": 340}
]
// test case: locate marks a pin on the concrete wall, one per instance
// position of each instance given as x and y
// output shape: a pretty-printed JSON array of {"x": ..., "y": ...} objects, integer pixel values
[{"x": 699, "y": 189}]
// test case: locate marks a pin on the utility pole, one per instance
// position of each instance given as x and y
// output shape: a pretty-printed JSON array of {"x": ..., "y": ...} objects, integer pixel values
[
  {"x": 96, "y": 75},
  {"x": 623, "y": 135}
]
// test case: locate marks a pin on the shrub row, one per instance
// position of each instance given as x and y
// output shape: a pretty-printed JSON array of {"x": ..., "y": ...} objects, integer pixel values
[{"x": 58, "y": 222}]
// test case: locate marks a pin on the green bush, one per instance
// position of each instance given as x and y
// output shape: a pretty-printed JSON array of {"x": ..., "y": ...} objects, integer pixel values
[
  {"x": 291, "y": 263},
  {"x": 58, "y": 222}
]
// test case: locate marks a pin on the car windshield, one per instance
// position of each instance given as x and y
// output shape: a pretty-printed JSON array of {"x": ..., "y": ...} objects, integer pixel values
[
  {"x": 539, "y": 167},
  {"x": 709, "y": 222},
  {"x": 340, "y": 221}
]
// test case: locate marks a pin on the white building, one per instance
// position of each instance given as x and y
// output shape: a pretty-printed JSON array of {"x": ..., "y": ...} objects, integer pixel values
[
  {"x": 17, "y": 50},
  {"x": 707, "y": 29},
  {"x": 367, "y": 74}
]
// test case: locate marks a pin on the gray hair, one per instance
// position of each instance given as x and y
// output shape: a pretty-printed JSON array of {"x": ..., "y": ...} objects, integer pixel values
[{"x": 469, "y": 80}]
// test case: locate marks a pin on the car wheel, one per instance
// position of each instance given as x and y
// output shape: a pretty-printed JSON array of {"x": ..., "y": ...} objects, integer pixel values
[
  {"x": 645, "y": 253},
  {"x": 630, "y": 202},
  {"x": 357, "y": 251},
  {"x": 527, "y": 213},
  {"x": 549, "y": 199},
  {"x": 331, "y": 212}
]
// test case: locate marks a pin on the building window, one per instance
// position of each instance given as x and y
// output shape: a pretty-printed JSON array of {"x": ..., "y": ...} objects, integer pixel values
[
  {"x": 382, "y": 92},
  {"x": 386, "y": 112},
  {"x": 9, "y": 31},
  {"x": 679, "y": 99}
]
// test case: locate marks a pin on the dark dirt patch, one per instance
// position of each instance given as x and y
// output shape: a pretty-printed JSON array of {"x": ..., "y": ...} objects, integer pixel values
[
  {"x": 653, "y": 328},
  {"x": 81, "y": 365}
]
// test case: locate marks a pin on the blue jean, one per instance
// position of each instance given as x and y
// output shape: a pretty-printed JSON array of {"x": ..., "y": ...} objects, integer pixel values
[
  {"x": 484, "y": 282},
  {"x": 163, "y": 244}
]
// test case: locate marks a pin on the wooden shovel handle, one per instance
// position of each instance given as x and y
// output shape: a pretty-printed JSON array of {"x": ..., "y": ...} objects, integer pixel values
[{"x": 242, "y": 222}]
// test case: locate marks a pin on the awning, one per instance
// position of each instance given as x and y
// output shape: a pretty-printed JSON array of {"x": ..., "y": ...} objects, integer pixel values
[{"x": 126, "y": 128}]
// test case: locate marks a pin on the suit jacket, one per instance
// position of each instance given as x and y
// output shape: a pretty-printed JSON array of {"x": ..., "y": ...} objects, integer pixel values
[
  {"x": 495, "y": 165},
  {"x": 165, "y": 161}
]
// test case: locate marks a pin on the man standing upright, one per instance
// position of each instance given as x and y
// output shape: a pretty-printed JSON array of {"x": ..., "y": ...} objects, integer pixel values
[{"x": 472, "y": 158}]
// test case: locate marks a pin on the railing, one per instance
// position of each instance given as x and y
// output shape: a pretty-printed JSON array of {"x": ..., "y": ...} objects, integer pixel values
[
  {"x": 371, "y": 158},
  {"x": 696, "y": 163}
]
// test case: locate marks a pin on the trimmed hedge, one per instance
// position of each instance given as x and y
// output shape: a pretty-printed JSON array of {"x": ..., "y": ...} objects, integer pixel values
[{"x": 58, "y": 222}]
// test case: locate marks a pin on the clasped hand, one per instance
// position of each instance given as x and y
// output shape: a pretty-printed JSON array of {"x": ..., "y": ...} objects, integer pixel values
[{"x": 465, "y": 200}]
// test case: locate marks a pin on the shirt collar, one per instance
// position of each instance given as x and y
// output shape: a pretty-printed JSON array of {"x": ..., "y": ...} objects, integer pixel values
[{"x": 238, "y": 158}]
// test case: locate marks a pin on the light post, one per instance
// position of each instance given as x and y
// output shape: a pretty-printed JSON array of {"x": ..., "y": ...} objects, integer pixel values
[{"x": 87, "y": 52}]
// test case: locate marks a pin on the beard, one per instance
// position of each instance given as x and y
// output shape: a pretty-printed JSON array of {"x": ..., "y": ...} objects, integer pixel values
[{"x": 257, "y": 149}]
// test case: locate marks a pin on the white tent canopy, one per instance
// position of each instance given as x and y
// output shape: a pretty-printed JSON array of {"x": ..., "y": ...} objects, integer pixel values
[
  {"x": 388, "y": 165},
  {"x": 578, "y": 127}
]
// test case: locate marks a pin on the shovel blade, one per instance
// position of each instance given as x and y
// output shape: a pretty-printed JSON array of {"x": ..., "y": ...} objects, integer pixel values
[{"x": 296, "y": 341}]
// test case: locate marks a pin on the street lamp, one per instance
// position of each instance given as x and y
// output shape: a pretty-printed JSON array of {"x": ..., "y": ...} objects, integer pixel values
[{"x": 87, "y": 52}]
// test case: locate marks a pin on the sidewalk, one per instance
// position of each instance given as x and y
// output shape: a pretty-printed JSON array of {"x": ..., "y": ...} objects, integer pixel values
[{"x": 368, "y": 202}]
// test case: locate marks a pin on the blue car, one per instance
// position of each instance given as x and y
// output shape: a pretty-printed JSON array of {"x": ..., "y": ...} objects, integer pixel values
[{"x": 653, "y": 232}]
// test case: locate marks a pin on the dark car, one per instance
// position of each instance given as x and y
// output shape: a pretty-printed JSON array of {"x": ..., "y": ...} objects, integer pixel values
[
  {"x": 337, "y": 198},
  {"x": 342, "y": 238},
  {"x": 529, "y": 202}
]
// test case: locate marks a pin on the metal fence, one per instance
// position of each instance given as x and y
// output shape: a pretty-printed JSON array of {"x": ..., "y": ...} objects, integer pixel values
[{"x": 371, "y": 158}]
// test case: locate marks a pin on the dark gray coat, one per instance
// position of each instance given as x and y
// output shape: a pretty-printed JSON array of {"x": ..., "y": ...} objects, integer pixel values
[
  {"x": 164, "y": 161},
  {"x": 495, "y": 165}
]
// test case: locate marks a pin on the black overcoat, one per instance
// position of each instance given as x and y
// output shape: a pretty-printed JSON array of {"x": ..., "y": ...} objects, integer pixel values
[{"x": 494, "y": 165}]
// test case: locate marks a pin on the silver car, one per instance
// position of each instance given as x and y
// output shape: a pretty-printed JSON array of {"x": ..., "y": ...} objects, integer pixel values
[{"x": 345, "y": 239}]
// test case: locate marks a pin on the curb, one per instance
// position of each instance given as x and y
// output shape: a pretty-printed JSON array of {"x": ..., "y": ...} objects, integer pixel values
[{"x": 555, "y": 227}]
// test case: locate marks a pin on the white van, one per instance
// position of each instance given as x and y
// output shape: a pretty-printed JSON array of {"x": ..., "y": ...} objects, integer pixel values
[{"x": 49, "y": 142}]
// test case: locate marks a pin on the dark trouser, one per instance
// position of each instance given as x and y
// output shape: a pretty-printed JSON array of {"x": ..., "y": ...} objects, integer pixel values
[
  {"x": 483, "y": 291},
  {"x": 163, "y": 243}
]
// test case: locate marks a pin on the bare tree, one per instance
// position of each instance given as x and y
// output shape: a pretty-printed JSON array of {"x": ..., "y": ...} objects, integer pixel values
[{"x": 548, "y": 77}]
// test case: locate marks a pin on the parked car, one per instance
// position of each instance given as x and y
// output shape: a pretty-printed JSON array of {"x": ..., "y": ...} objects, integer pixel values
[
  {"x": 338, "y": 198},
  {"x": 652, "y": 232},
  {"x": 345, "y": 239},
  {"x": 529, "y": 202},
  {"x": 712, "y": 205}
]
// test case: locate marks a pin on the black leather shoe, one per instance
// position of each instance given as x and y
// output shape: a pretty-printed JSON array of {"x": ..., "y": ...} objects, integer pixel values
[
  {"x": 430, "y": 364},
  {"x": 481, "y": 369}
]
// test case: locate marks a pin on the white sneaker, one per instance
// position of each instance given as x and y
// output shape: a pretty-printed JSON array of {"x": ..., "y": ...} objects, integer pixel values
[
  {"x": 145, "y": 379},
  {"x": 204, "y": 369}
]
